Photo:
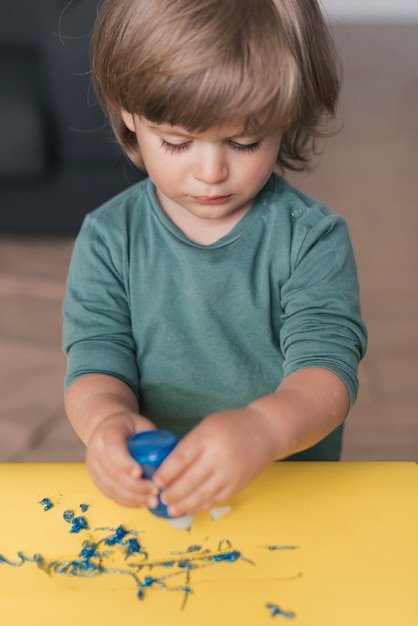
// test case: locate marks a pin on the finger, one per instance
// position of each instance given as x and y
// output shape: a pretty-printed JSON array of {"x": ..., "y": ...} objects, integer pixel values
[
  {"x": 125, "y": 495},
  {"x": 206, "y": 495},
  {"x": 115, "y": 452},
  {"x": 122, "y": 487},
  {"x": 112, "y": 466},
  {"x": 177, "y": 463},
  {"x": 128, "y": 498},
  {"x": 188, "y": 486}
]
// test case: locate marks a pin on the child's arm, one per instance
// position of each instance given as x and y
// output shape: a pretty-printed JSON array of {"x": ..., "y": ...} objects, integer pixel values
[
  {"x": 229, "y": 448},
  {"x": 104, "y": 413}
]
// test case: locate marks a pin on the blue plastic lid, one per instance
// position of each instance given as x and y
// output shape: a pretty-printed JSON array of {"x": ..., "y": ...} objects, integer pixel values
[{"x": 150, "y": 448}]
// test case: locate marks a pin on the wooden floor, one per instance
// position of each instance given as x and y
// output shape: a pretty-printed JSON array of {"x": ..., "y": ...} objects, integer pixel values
[{"x": 368, "y": 174}]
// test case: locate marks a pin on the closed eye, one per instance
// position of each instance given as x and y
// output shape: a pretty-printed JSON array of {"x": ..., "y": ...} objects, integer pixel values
[
  {"x": 245, "y": 147},
  {"x": 181, "y": 147},
  {"x": 174, "y": 147}
]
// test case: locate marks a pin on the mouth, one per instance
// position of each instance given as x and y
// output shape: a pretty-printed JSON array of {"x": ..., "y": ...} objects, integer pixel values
[{"x": 211, "y": 199}]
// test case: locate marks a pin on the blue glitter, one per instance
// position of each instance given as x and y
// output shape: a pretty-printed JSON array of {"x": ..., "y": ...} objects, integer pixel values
[
  {"x": 91, "y": 560},
  {"x": 185, "y": 565},
  {"x": 78, "y": 523},
  {"x": 23, "y": 559},
  {"x": 81, "y": 567},
  {"x": 189, "y": 550},
  {"x": 117, "y": 537},
  {"x": 133, "y": 547},
  {"x": 68, "y": 516},
  {"x": 275, "y": 610},
  {"x": 47, "y": 504},
  {"x": 230, "y": 557},
  {"x": 166, "y": 564},
  {"x": 89, "y": 550},
  {"x": 12, "y": 563}
]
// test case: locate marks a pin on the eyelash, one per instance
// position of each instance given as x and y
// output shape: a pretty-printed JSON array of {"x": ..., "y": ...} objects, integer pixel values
[
  {"x": 174, "y": 147},
  {"x": 181, "y": 147},
  {"x": 249, "y": 147}
]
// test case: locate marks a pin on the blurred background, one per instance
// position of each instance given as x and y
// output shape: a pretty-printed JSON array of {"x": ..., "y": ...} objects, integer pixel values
[{"x": 58, "y": 161}]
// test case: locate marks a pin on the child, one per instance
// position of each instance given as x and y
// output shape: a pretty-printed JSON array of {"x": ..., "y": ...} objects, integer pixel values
[{"x": 212, "y": 299}]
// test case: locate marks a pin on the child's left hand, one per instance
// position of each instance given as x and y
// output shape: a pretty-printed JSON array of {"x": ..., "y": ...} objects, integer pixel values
[{"x": 219, "y": 457}]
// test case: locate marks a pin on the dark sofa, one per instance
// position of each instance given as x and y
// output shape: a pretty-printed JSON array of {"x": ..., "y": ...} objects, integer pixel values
[{"x": 58, "y": 159}]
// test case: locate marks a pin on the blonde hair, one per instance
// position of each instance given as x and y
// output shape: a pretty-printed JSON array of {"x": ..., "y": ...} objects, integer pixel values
[{"x": 268, "y": 64}]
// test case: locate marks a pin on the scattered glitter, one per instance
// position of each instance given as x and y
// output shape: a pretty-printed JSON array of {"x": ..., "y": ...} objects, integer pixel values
[
  {"x": 185, "y": 565},
  {"x": 96, "y": 554},
  {"x": 117, "y": 537},
  {"x": 133, "y": 547},
  {"x": 230, "y": 557},
  {"x": 78, "y": 523},
  {"x": 47, "y": 504},
  {"x": 275, "y": 610},
  {"x": 188, "y": 550}
]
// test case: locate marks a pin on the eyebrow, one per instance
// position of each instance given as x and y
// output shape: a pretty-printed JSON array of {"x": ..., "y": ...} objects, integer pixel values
[{"x": 167, "y": 128}]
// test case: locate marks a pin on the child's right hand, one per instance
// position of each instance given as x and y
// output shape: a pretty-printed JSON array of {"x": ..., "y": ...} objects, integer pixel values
[
  {"x": 111, "y": 466},
  {"x": 104, "y": 413}
]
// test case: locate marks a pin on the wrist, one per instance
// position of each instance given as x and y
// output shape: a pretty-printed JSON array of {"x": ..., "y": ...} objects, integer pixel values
[
  {"x": 264, "y": 415},
  {"x": 126, "y": 422}
]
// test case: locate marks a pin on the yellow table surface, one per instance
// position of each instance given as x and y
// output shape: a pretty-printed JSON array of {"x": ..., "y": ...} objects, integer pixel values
[{"x": 345, "y": 538}]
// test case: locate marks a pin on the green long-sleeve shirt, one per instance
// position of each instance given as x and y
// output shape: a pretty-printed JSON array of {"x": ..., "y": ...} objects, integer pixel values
[{"x": 193, "y": 329}]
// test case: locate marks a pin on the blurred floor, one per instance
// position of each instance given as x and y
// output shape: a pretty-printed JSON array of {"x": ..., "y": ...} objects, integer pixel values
[{"x": 368, "y": 174}]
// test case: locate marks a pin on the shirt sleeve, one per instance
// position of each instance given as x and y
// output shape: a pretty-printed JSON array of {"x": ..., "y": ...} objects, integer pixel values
[
  {"x": 97, "y": 335},
  {"x": 321, "y": 320}
]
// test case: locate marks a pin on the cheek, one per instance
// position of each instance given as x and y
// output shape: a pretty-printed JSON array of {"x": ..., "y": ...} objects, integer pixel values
[
  {"x": 153, "y": 160},
  {"x": 260, "y": 169},
  {"x": 164, "y": 174}
]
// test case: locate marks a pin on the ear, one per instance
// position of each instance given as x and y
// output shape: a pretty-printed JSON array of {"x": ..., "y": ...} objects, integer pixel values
[{"x": 128, "y": 120}]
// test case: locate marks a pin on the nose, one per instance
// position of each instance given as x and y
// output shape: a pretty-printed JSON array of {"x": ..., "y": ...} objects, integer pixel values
[{"x": 211, "y": 164}]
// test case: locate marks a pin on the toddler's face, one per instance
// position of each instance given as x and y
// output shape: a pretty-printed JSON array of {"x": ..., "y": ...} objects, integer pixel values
[{"x": 211, "y": 175}]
